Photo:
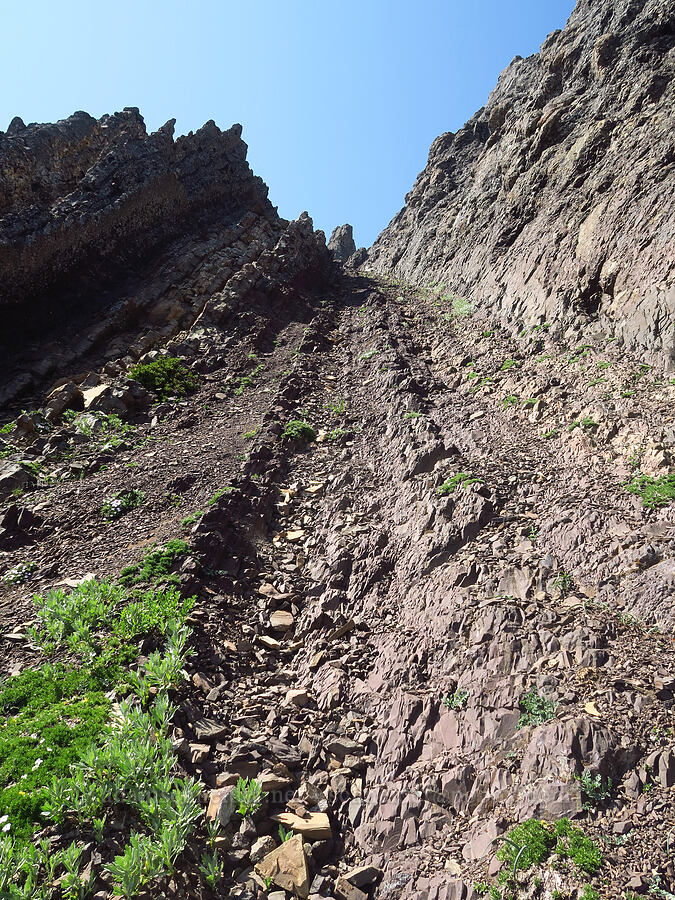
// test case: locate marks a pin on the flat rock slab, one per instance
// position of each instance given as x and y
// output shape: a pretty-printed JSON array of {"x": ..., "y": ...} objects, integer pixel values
[{"x": 315, "y": 825}]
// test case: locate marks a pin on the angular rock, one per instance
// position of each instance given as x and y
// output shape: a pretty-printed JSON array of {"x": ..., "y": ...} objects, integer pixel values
[
  {"x": 315, "y": 825},
  {"x": 287, "y": 867}
]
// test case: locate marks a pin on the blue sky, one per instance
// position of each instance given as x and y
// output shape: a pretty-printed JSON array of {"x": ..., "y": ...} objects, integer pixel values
[{"x": 339, "y": 101}]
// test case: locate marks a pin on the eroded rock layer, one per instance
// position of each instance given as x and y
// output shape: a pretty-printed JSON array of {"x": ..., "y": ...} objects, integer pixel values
[
  {"x": 555, "y": 201},
  {"x": 112, "y": 239}
]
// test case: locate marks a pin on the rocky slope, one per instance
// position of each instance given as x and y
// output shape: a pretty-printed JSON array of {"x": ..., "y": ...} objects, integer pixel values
[
  {"x": 369, "y": 644},
  {"x": 432, "y": 555},
  {"x": 555, "y": 201}
]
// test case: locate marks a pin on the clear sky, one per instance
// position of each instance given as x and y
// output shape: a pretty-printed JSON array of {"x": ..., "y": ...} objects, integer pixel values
[{"x": 339, "y": 101}]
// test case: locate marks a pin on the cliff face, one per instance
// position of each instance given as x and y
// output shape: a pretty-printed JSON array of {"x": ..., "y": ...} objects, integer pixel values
[
  {"x": 555, "y": 201},
  {"x": 85, "y": 193},
  {"x": 112, "y": 239}
]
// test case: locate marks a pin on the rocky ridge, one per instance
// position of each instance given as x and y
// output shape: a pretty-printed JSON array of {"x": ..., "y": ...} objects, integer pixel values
[
  {"x": 533, "y": 208},
  {"x": 163, "y": 224}
]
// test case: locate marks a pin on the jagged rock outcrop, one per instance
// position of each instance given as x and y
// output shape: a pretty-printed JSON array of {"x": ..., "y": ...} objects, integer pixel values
[
  {"x": 112, "y": 239},
  {"x": 555, "y": 201},
  {"x": 341, "y": 243}
]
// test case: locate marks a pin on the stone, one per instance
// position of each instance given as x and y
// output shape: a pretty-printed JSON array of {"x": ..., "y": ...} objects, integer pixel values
[
  {"x": 345, "y": 890},
  {"x": 298, "y": 697},
  {"x": 360, "y": 876},
  {"x": 287, "y": 867},
  {"x": 315, "y": 825},
  {"x": 209, "y": 730},
  {"x": 341, "y": 243},
  {"x": 280, "y": 620},
  {"x": 13, "y": 477},
  {"x": 67, "y": 396},
  {"x": 222, "y": 805},
  {"x": 542, "y": 127},
  {"x": 261, "y": 848}
]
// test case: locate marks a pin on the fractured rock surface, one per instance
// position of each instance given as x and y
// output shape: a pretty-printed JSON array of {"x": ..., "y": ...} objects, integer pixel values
[{"x": 533, "y": 208}]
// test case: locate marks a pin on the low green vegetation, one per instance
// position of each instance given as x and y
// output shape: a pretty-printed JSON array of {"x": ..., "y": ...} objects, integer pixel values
[
  {"x": 19, "y": 573},
  {"x": 61, "y": 758},
  {"x": 563, "y": 583},
  {"x": 48, "y": 717},
  {"x": 165, "y": 377},
  {"x": 190, "y": 520},
  {"x": 534, "y": 842},
  {"x": 368, "y": 354},
  {"x": 123, "y": 502},
  {"x": 156, "y": 565},
  {"x": 596, "y": 791},
  {"x": 336, "y": 407},
  {"x": 218, "y": 494},
  {"x": 412, "y": 415},
  {"x": 298, "y": 430},
  {"x": 461, "y": 479},
  {"x": 7, "y": 428},
  {"x": 509, "y": 364},
  {"x": 535, "y": 709},
  {"x": 457, "y": 700},
  {"x": 247, "y": 380},
  {"x": 653, "y": 491}
]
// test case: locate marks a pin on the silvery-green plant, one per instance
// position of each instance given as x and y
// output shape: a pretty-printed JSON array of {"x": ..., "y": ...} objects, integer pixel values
[{"x": 248, "y": 795}]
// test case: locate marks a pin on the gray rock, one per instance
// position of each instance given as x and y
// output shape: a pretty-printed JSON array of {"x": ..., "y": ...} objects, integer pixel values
[{"x": 341, "y": 243}]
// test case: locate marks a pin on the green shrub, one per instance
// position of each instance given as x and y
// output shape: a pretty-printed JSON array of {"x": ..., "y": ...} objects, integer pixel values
[
  {"x": 461, "y": 479},
  {"x": 248, "y": 795},
  {"x": 595, "y": 789},
  {"x": 529, "y": 844},
  {"x": 165, "y": 377},
  {"x": 456, "y": 700},
  {"x": 536, "y": 709},
  {"x": 123, "y": 502},
  {"x": 298, "y": 430},
  {"x": 19, "y": 573},
  {"x": 573, "y": 844},
  {"x": 48, "y": 717}
]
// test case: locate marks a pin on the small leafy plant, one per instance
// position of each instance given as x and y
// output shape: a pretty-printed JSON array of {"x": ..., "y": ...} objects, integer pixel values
[
  {"x": 123, "y": 502},
  {"x": 535, "y": 709},
  {"x": 563, "y": 582},
  {"x": 248, "y": 795},
  {"x": 457, "y": 700},
  {"x": 156, "y": 565},
  {"x": 165, "y": 377},
  {"x": 19, "y": 573},
  {"x": 654, "y": 492},
  {"x": 596, "y": 789},
  {"x": 461, "y": 479}
]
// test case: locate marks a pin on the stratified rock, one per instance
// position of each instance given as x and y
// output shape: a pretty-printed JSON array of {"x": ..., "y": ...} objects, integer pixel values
[
  {"x": 341, "y": 243},
  {"x": 556, "y": 199}
]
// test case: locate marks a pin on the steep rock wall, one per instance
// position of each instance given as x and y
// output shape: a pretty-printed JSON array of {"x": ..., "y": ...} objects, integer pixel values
[
  {"x": 87, "y": 195},
  {"x": 555, "y": 201}
]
